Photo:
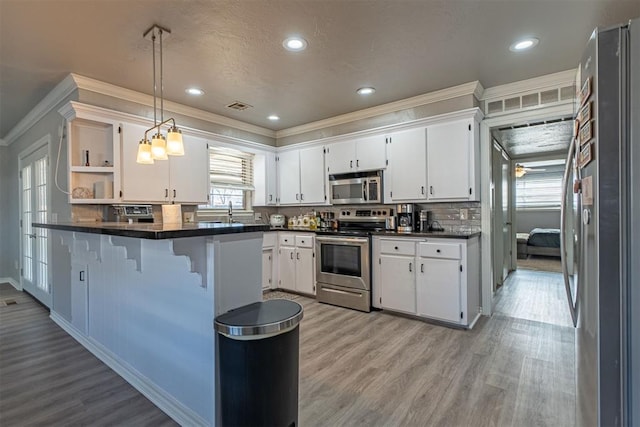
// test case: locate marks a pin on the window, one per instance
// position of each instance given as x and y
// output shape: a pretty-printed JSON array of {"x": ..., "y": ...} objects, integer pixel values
[
  {"x": 541, "y": 186},
  {"x": 230, "y": 179}
]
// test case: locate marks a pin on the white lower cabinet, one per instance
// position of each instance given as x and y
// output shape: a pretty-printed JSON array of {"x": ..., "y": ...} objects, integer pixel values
[
  {"x": 269, "y": 243},
  {"x": 80, "y": 297},
  {"x": 435, "y": 278},
  {"x": 296, "y": 266}
]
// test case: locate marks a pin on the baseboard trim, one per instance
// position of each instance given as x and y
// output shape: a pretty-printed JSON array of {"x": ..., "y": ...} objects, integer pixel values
[
  {"x": 474, "y": 321},
  {"x": 167, "y": 403},
  {"x": 12, "y": 282}
]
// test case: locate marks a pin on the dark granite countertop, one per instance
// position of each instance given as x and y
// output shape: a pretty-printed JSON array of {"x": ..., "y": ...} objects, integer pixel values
[
  {"x": 437, "y": 234},
  {"x": 155, "y": 231}
]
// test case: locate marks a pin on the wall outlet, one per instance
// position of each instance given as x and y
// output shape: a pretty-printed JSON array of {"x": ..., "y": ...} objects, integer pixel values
[
  {"x": 464, "y": 214},
  {"x": 257, "y": 216}
]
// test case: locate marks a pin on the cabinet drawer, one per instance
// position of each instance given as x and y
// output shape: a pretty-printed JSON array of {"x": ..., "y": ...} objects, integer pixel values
[
  {"x": 269, "y": 240},
  {"x": 286, "y": 239},
  {"x": 439, "y": 250},
  {"x": 304, "y": 241},
  {"x": 398, "y": 247}
]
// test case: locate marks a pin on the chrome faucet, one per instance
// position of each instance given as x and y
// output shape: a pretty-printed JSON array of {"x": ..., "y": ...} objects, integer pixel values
[{"x": 230, "y": 212}]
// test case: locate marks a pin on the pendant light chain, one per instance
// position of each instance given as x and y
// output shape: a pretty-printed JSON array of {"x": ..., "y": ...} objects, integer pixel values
[{"x": 159, "y": 147}]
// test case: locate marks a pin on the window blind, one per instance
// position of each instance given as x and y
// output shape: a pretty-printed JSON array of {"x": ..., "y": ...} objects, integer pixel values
[
  {"x": 540, "y": 189},
  {"x": 230, "y": 169}
]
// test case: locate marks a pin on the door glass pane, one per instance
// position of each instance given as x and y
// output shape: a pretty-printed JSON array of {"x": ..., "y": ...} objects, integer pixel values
[
  {"x": 341, "y": 259},
  {"x": 41, "y": 216},
  {"x": 27, "y": 216}
]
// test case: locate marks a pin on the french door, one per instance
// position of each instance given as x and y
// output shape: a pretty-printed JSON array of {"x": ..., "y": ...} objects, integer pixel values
[{"x": 34, "y": 242}]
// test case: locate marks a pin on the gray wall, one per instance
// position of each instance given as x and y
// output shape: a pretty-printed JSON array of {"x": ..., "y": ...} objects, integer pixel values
[
  {"x": 530, "y": 219},
  {"x": 9, "y": 195}
]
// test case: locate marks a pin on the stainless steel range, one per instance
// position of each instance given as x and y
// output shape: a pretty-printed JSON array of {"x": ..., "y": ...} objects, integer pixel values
[{"x": 343, "y": 267}]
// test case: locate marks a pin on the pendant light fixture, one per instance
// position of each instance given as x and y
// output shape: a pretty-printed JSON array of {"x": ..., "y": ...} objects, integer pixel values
[{"x": 159, "y": 147}]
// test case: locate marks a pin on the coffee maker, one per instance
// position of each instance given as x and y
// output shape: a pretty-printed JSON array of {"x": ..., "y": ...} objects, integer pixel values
[{"x": 406, "y": 218}]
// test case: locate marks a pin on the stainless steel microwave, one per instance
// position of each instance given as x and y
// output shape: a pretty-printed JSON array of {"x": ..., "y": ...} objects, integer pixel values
[{"x": 356, "y": 188}]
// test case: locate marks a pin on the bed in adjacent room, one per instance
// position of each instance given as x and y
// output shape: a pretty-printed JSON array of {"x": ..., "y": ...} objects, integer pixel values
[{"x": 540, "y": 241}]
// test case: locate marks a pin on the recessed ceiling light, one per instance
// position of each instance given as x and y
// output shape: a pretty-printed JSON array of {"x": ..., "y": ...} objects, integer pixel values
[
  {"x": 273, "y": 117},
  {"x": 295, "y": 44},
  {"x": 194, "y": 91},
  {"x": 366, "y": 90},
  {"x": 524, "y": 44}
]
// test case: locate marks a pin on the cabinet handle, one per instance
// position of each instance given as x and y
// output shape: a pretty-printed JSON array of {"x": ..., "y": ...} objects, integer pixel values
[
  {"x": 166, "y": 193},
  {"x": 298, "y": 256},
  {"x": 302, "y": 241},
  {"x": 301, "y": 196},
  {"x": 270, "y": 197},
  {"x": 82, "y": 276},
  {"x": 351, "y": 164},
  {"x": 422, "y": 189},
  {"x": 357, "y": 163},
  {"x": 396, "y": 248},
  {"x": 431, "y": 190},
  {"x": 297, "y": 196},
  {"x": 438, "y": 250},
  {"x": 410, "y": 266},
  {"x": 174, "y": 193},
  {"x": 291, "y": 255},
  {"x": 421, "y": 268}
]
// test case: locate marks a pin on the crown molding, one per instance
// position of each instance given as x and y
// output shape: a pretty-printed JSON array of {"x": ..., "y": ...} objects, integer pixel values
[
  {"x": 560, "y": 79},
  {"x": 470, "y": 88},
  {"x": 103, "y": 88},
  {"x": 53, "y": 98}
]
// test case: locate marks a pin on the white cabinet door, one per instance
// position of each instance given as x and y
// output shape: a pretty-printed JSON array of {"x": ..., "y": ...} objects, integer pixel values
[
  {"x": 141, "y": 183},
  {"x": 289, "y": 177},
  {"x": 287, "y": 268},
  {"x": 267, "y": 268},
  {"x": 305, "y": 277},
  {"x": 264, "y": 176},
  {"x": 448, "y": 160},
  {"x": 371, "y": 153},
  {"x": 80, "y": 297},
  {"x": 438, "y": 289},
  {"x": 408, "y": 165},
  {"x": 189, "y": 174},
  {"x": 341, "y": 157},
  {"x": 312, "y": 176},
  {"x": 397, "y": 281}
]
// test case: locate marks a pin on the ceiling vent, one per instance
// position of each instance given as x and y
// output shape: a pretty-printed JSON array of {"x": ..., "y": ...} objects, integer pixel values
[{"x": 240, "y": 106}]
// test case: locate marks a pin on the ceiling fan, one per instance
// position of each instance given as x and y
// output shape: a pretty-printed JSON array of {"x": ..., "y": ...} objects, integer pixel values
[{"x": 521, "y": 170}]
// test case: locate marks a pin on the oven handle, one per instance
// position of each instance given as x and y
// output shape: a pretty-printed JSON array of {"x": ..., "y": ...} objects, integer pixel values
[{"x": 342, "y": 240}]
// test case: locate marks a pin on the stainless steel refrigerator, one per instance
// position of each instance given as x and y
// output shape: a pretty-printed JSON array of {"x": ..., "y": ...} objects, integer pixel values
[{"x": 603, "y": 225}]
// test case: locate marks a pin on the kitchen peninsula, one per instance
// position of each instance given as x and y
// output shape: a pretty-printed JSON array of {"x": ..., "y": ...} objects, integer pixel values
[{"x": 143, "y": 297}]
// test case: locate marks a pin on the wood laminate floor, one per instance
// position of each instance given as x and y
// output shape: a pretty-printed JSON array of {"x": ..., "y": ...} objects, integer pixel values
[{"x": 370, "y": 369}]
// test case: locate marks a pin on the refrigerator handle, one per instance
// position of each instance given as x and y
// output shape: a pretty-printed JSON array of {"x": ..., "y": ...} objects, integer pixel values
[{"x": 563, "y": 230}]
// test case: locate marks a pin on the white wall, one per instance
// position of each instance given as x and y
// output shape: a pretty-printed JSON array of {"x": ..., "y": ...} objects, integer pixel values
[
  {"x": 4, "y": 205},
  {"x": 530, "y": 219}
]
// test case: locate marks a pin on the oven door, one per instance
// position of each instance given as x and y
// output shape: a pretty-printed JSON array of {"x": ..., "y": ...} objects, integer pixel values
[{"x": 343, "y": 261}]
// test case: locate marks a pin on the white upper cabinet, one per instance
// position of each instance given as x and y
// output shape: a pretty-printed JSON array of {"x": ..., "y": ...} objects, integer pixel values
[
  {"x": 451, "y": 156},
  {"x": 181, "y": 179},
  {"x": 363, "y": 154},
  {"x": 264, "y": 177},
  {"x": 301, "y": 177},
  {"x": 406, "y": 178}
]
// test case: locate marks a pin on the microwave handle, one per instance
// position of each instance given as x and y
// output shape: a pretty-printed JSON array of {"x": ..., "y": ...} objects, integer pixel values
[{"x": 364, "y": 190}]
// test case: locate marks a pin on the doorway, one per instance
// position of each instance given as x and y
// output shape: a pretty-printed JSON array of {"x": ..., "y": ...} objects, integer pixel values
[
  {"x": 34, "y": 207},
  {"x": 502, "y": 215}
]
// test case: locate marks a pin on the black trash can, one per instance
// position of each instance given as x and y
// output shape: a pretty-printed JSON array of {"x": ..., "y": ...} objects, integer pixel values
[{"x": 258, "y": 360}]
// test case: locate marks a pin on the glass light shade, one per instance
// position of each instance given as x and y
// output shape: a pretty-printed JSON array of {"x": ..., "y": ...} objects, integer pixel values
[
  {"x": 174, "y": 142},
  {"x": 144, "y": 153},
  {"x": 159, "y": 147}
]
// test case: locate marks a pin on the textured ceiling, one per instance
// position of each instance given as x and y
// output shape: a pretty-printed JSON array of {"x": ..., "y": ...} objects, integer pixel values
[
  {"x": 538, "y": 139},
  {"x": 233, "y": 49}
]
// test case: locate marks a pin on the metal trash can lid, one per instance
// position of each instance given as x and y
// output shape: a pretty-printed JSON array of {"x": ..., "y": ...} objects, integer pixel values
[{"x": 260, "y": 319}]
